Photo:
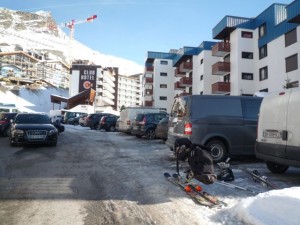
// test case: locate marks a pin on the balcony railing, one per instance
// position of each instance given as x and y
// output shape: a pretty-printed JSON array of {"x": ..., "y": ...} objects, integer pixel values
[
  {"x": 148, "y": 80},
  {"x": 221, "y": 49},
  {"x": 186, "y": 66},
  {"x": 186, "y": 81},
  {"x": 221, "y": 68},
  {"x": 178, "y": 86},
  {"x": 220, "y": 88},
  {"x": 149, "y": 68},
  {"x": 179, "y": 73},
  {"x": 184, "y": 93},
  {"x": 148, "y": 103}
]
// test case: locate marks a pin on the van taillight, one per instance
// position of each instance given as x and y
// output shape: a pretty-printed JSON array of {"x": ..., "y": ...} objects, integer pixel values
[
  {"x": 188, "y": 128},
  {"x": 128, "y": 122}
]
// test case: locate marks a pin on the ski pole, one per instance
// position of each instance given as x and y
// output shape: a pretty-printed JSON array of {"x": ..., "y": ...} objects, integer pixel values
[{"x": 234, "y": 186}]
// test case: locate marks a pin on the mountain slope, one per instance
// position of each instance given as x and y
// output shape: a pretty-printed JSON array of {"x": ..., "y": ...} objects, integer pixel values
[{"x": 39, "y": 31}]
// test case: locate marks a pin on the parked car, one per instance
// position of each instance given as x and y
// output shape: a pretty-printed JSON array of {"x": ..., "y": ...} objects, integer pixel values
[
  {"x": 161, "y": 130},
  {"x": 108, "y": 123},
  {"x": 59, "y": 118},
  {"x": 82, "y": 119},
  {"x": 74, "y": 121},
  {"x": 92, "y": 120},
  {"x": 145, "y": 124},
  {"x": 32, "y": 128},
  {"x": 128, "y": 115},
  {"x": 227, "y": 124},
  {"x": 5, "y": 121},
  {"x": 278, "y": 132}
]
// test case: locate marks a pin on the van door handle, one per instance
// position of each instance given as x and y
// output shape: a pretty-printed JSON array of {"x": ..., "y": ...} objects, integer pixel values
[{"x": 284, "y": 135}]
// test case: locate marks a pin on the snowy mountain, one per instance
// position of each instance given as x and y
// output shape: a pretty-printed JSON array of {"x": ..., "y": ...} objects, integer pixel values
[{"x": 39, "y": 31}]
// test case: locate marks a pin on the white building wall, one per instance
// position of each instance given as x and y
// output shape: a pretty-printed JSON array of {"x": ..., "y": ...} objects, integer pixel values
[
  {"x": 204, "y": 86},
  {"x": 169, "y": 80},
  {"x": 239, "y": 65}
]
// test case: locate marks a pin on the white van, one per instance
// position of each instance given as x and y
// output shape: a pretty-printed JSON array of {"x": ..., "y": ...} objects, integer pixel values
[
  {"x": 127, "y": 117},
  {"x": 278, "y": 132}
]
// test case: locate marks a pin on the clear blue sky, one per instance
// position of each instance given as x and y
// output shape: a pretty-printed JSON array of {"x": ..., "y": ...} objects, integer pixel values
[{"x": 130, "y": 28}]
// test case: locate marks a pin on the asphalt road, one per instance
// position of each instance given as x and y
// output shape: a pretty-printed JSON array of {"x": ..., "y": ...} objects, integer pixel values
[{"x": 95, "y": 177}]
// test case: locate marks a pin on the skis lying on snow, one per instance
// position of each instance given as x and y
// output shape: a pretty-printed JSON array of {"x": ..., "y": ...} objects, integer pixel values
[
  {"x": 195, "y": 192},
  {"x": 257, "y": 177}
]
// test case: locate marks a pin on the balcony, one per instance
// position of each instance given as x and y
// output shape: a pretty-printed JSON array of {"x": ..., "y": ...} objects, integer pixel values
[
  {"x": 220, "y": 88},
  {"x": 148, "y": 80},
  {"x": 149, "y": 68},
  {"x": 177, "y": 86},
  {"x": 148, "y": 91},
  {"x": 221, "y": 49},
  {"x": 186, "y": 81},
  {"x": 184, "y": 93},
  {"x": 148, "y": 103},
  {"x": 186, "y": 66},
  {"x": 221, "y": 68},
  {"x": 179, "y": 73}
]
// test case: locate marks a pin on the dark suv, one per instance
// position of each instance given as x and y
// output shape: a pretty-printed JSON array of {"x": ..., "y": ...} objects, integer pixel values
[
  {"x": 5, "y": 122},
  {"x": 146, "y": 123},
  {"x": 108, "y": 123},
  {"x": 92, "y": 120}
]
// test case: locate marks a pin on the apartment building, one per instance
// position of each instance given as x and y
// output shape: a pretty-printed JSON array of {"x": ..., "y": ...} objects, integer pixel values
[
  {"x": 257, "y": 54},
  {"x": 260, "y": 53},
  {"x": 180, "y": 72},
  {"x": 129, "y": 91}
]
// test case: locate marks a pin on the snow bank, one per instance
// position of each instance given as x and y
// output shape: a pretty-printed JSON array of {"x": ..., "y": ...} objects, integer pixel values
[{"x": 276, "y": 207}]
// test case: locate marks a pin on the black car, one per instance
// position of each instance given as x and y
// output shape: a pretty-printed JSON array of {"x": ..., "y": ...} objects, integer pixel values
[
  {"x": 32, "y": 128},
  {"x": 108, "y": 123},
  {"x": 5, "y": 122},
  {"x": 161, "y": 130},
  {"x": 92, "y": 120},
  {"x": 145, "y": 124}
]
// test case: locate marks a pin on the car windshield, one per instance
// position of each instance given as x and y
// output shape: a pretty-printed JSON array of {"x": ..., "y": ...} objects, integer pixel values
[{"x": 32, "y": 118}]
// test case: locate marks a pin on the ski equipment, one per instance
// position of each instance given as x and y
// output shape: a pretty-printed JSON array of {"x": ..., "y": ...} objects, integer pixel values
[
  {"x": 234, "y": 186},
  {"x": 189, "y": 191},
  {"x": 198, "y": 189},
  {"x": 226, "y": 173},
  {"x": 257, "y": 177}
]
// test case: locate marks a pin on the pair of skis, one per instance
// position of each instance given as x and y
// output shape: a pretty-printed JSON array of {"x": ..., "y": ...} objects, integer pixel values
[
  {"x": 257, "y": 177},
  {"x": 195, "y": 191}
]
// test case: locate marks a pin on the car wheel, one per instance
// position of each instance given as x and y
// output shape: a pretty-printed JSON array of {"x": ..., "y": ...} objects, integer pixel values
[
  {"x": 6, "y": 132},
  {"x": 112, "y": 129},
  {"x": 218, "y": 150},
  {"x": 276, "y": 168},
  {"x": 75, "y": 123},
  {"x": 150, "y": 134},
  {"x": 138, "y": 136}
]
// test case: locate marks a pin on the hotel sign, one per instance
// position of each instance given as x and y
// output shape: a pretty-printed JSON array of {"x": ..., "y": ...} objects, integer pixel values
[{"x": 87, "y": 78}]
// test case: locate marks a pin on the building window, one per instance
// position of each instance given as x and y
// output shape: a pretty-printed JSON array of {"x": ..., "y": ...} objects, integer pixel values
[
  {"x": 163, "y": 74},
  {"x": 164, "y": 62},
  {"x": 201, "y": 61},
  {"x": 262, "y": 30},
  {"x": 162, "y": 97},
  {"x": 247, "y": 34},
  {"x": 263, "y": 73},
  {"x": 247, "y": 76},
  {"x": 290, "y": 37},
  {"x": 201, "y": 77},
  {"x": 247, "y": 55},
  {"x": 291, "y": 63},
  {"x": 163, "y": 86},
  {"x": 263, "y": 52}
]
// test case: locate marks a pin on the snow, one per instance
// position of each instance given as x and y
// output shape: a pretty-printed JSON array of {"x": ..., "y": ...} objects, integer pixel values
[{"x": 276, "y": 207}]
